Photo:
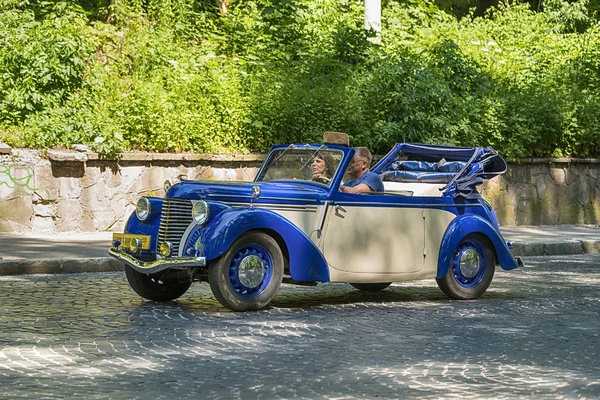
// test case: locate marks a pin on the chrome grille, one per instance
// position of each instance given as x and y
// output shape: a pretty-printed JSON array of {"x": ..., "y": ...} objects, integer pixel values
[{"x": 175, "y": 217}]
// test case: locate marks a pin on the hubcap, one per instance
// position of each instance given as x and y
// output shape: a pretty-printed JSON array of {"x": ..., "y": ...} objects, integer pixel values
[
  {"x": 252, "y": 271},
  {"x": 469, "y": 263}
]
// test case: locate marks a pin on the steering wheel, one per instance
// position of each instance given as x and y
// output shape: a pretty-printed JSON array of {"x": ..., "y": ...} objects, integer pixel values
[{"x": 322, "y": 179}]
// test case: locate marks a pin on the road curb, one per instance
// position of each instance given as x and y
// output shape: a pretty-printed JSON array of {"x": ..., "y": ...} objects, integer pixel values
[
  {"x": 109, "y": 264},
  {"x": 556, "y": 248},
  {"x": 59, "y": 266}
]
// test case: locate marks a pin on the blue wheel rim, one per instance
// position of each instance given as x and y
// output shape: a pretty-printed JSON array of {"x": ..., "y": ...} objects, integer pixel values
[
  {"x": 256, "y": 252},
  {"x": 466, "y": 250}
]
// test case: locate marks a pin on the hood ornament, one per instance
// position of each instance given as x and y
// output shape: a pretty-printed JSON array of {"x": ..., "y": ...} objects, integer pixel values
[
  {"x": 255, "y": 194},
  {"x": 166, "y": 186}
]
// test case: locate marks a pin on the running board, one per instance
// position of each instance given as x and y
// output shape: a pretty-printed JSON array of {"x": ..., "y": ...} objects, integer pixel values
[{"x": 294, "y": 282}]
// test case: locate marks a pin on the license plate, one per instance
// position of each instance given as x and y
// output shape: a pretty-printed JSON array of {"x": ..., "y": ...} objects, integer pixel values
[{"x": 125, "y": 238}]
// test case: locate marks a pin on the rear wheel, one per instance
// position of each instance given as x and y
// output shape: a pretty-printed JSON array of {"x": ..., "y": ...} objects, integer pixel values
[
  {"x": 471, "y": 269},
  {"x": 163, "y": 286},
  {"x": 371, "y": 287},
  {"x": 248, "y": 276}
]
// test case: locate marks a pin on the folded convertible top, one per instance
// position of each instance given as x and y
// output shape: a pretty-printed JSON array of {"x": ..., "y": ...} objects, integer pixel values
[{"x": 458, "y": 170}]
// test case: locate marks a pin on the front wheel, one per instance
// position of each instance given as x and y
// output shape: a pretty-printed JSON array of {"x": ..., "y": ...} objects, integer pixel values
[
  {"x": 163, "y": 286},
  {"x": 471, "y": 269},
  {"x": 371, "y": 287},
  {"x": 248, "y": 276}
]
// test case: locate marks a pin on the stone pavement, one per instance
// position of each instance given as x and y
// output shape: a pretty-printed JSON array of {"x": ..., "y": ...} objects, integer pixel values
[
  {"x": 534, "y": 334},
  {"x": 87, "y": 252}
]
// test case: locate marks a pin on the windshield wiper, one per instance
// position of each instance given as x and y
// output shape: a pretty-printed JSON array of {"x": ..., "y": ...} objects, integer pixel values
[
  {"x": 312, "y": 157},
  {"x": 291, "y": 146}
]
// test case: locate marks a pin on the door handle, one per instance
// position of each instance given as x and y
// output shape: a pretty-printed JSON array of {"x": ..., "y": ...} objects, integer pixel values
[{"x": 339, "y": 210}]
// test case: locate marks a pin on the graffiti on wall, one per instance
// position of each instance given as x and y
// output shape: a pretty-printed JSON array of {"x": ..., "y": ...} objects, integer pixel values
[{"x": 16, "y": 179}]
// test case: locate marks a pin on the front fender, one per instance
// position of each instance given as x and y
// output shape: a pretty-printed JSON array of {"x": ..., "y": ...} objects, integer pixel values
[
  {"x": 214, "y": 239},
  {"x": 463, "y": 225},
  {"x": 149, "y": 226}
]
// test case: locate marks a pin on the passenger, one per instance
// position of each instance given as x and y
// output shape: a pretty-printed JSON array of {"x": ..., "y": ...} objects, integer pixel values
[
  {"x": 363, "y": 180},
  {"x": 322, "y": 168}
]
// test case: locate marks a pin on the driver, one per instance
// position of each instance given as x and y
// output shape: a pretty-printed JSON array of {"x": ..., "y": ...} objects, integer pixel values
[{"x": 322, "y": 168}]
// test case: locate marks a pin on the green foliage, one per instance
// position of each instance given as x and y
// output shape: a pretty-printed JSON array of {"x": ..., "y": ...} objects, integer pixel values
[
  {"x": 176, "y": 75},
  {"x": 43, "y": 62}
]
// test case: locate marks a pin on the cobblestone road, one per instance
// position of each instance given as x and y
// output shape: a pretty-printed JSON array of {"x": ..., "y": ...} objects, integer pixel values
[{"x": 534, "y": 334}]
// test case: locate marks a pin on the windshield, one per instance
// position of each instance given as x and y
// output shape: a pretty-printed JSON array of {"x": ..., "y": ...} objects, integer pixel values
[{"x": 307, "y": 164}]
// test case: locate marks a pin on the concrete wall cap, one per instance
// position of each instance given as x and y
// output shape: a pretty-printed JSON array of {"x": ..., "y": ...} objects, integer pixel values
[
  {"x": 82, "y": 148},
  {"x": 77, "y": 154},
  {"x": 561, "y": 160},
  {"x": 67, "y": 156},
  {"x": 147, "y": 156},
  {"x": 4, "y": 148}
]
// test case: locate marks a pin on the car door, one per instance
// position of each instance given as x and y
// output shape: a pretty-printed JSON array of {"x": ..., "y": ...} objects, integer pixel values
[{"x": 368, "y": 237}]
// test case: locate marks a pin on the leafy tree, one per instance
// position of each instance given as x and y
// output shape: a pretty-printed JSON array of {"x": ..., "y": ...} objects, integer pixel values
[{"x": 239, "y": 76}]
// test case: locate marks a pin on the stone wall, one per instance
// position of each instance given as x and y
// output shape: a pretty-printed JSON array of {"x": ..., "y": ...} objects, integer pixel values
[
  {"x": 547, "y": 192},
  {"x": 65, "y": 191},
  {"x": 62, "y": 191}
]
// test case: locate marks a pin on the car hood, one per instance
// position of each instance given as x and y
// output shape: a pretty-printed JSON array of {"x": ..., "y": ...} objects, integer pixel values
[{"x": 232, "y": 191}]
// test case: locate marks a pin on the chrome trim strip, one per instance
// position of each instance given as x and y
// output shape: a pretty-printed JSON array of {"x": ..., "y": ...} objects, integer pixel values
[
  {"x": 237, "y": 196},
  {"x": 184, "y": 238},
  {"x": 152, "y": 267},
  {"x": 289, "y": 199},
  {"x": 275, "y": 206},
  {"x": 406, "y": 205}
]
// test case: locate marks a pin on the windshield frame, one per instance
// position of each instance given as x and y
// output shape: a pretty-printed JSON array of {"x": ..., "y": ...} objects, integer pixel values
[{"x": 277, "y": 150}]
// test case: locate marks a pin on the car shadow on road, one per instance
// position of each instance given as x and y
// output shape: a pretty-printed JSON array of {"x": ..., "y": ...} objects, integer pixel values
[
  {"x": 355, "y": 297},
  {"x": 311, "y": 298},
  {"x": 387, "y": 296}
]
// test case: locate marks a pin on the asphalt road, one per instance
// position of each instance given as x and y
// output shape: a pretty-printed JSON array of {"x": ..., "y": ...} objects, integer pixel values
[
  {"x": 535, "y": 333},
  {"x": 15, "y": 246}
]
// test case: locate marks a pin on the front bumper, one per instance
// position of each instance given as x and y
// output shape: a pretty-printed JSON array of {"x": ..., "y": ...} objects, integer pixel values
[{"x": 152, "y": 267}]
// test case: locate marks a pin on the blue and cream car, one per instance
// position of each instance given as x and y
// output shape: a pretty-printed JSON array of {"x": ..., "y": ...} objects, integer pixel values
[{"x": 246, "y": 238}]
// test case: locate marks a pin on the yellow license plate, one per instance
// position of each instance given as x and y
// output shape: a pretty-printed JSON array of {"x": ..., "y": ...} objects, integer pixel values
[{"x": 125, "y": 238}]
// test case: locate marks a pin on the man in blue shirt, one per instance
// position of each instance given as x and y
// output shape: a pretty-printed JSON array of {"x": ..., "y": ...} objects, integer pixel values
[{"x": 362, "y": 180}]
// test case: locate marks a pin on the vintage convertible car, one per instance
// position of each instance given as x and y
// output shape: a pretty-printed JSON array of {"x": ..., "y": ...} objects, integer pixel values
[{"x": 246, "y": 238}]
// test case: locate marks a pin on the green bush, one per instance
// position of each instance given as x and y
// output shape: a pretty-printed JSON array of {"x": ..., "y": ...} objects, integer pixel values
[
  {"x": 176, "y": 75},
  {"x": 43, "y": 62}
]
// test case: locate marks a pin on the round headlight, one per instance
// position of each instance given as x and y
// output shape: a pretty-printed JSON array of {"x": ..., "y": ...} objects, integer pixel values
[
  {"x": 142, "y": 208},
  {"x": 200, "y": 212}
]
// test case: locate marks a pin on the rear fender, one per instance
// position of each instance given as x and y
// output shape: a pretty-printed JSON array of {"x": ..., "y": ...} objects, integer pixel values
[
  {"x": 214, "y": 239},
  {"x": 464, "y": 225}
]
